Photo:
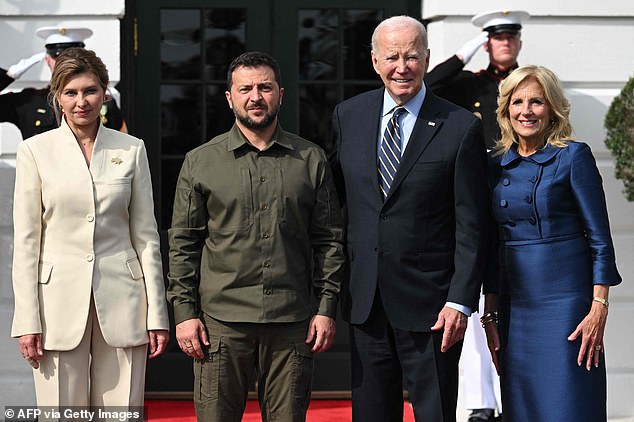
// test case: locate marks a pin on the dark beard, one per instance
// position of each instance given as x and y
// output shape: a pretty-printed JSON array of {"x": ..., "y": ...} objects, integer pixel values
[{"x": 264, "y": 123}]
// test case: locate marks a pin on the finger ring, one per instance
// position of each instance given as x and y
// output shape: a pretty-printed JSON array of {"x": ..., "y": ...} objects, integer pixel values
[{"x": 598, "y": 347}]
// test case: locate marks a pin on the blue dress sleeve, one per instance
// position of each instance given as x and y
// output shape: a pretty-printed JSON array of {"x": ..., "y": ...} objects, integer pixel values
[{"x": 587, "y": 188}]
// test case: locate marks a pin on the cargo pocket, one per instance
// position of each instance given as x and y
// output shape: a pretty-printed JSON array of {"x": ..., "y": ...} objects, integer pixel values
[
  {"x": 206, "y": 372},
  {"x": 302, "y": 367}
]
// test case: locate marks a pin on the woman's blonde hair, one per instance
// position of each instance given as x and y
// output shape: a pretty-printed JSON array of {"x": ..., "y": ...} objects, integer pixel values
[
  {"x": 70, "y": 63},
  {"x": 559, "y": 132}
]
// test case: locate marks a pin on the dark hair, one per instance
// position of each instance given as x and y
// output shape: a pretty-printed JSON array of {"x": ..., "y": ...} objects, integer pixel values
[
  {"x": 70, "y": 63},
  {"x": 254, "y": 59}
]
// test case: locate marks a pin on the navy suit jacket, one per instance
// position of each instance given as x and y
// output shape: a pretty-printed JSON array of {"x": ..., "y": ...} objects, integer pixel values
[{"x": 425, "y": 244}]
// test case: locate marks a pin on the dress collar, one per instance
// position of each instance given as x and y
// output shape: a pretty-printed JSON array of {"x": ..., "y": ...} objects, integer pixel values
[{"x": 541, "y": 156}]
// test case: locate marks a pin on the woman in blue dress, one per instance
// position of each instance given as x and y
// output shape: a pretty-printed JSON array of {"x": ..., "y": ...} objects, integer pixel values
[{"x": 547, "y": 299}]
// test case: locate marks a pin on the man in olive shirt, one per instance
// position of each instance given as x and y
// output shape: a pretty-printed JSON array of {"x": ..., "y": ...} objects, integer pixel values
[{"x": 256, "y": 256}]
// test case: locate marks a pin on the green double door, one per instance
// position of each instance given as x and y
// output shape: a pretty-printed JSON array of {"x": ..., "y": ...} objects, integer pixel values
[{"x": 178, "y": 52}]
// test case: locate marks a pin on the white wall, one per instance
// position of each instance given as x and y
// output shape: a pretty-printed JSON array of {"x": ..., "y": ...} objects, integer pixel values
[
  {"x": 589, "y": 45},
  {"x": 18, "y": 22}
]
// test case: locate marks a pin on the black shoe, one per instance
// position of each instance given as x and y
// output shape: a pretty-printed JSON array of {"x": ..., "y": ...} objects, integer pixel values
[{"x": 482, "y": 415}]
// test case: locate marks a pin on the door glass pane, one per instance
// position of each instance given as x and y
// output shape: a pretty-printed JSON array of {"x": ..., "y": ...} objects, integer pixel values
[
  {"x": 318, "y": 36},
  {"x": 350, "y": 90},
  {"x": 169, "y": 175},
  {"x": 225, "y": 39},
  {"x": 316, "y": 103},
  {"x": 180, "y": 44},
  {"x": 358, "y": 26},
  {"x": 181, "y": 125},
  {"x": 220, "y": 118}
]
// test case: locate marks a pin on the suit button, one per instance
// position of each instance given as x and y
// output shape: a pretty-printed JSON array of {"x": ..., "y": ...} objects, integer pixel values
[
  {"x": 528, "y": 199},
  {"x": 532, "y": 220},
  {"x": 506, "y": 182},
  {"x": 90, "y": 257},
  {"x": 503, "y": 203},
  {"x": 383, "y": 217},
  {"x": 90, "y": 218}
]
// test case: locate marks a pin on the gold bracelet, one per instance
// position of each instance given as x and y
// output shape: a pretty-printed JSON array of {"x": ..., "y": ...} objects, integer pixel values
[
  {"x": 489, "y": 317},
  {"x": 601, "y": 301}
]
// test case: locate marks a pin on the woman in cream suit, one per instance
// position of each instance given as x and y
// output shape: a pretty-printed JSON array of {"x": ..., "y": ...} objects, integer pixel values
[{"x": 87, "y": 276}]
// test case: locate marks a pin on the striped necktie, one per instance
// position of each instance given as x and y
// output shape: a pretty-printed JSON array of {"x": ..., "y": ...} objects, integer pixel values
[{"x": 390, "y": 154}]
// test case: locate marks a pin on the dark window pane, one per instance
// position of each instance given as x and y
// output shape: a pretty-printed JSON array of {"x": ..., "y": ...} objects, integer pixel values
[
  {"x": 225, "y": 35},
  {"x": 318, "y": 43},
  {"x": 180, "y": 44},
  {"x": 169, "y": 175},
  {"x": 358, "y": 26},
  {"x": 356, "y": 89},
  {"x": 181, "y": 126},
  {"x": 220, "y": 118},
  {"x": 316, "y": 103}
]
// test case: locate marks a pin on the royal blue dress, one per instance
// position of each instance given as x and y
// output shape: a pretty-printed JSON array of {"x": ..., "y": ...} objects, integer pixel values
[{"x": 553, "y": 244}]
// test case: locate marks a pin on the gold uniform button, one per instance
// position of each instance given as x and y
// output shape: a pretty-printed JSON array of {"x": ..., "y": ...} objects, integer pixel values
[
  {"x": 38, "y": 123},
  {"x": 477, "y": 104}
]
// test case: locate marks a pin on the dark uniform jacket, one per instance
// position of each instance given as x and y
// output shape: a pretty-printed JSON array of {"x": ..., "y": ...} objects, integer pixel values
[
  {"x": 31, "y": 111},
  {"x": 477, "y": 92}
]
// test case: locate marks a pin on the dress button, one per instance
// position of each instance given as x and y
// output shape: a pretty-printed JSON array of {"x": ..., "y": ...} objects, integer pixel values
[
  {"x": 528, "y": 199},
  {"x": 506, "y": 182},
  {"x": 503, "y": 203},
  {"x": 532, "y": 179},
  {"x": 90, "y": 218},
  {"x": 532, "y": 220},
  {"x": 89, "y": 257}
]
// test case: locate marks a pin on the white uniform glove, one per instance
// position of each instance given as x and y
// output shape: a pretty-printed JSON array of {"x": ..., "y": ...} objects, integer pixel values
[
  {"x": 18, "y": 69},
  {"x": 471, "y": 47}
]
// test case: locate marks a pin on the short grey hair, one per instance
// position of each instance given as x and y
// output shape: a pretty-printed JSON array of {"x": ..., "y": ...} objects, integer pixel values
[{"x": 398, "y": 22}]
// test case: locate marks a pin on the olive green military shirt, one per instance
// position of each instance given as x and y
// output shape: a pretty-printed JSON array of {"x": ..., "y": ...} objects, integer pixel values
[{"x": 256, "y": 235}]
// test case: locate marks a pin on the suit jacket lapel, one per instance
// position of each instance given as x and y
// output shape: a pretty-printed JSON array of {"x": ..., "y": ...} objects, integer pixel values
[
  {"x": 369, "y": 123},
  {"x": 426, "y": 126}
]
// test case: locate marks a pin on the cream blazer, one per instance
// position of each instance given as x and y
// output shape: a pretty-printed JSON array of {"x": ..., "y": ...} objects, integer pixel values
[{"x": 84, "y": 231}]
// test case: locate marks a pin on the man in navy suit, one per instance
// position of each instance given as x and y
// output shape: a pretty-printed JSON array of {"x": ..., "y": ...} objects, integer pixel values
[{"x": 416, "y": 231}]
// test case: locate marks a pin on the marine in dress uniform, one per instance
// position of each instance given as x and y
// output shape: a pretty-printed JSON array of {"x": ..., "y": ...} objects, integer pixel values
[
  {"x": 478, "y": 91},
  {"x": 30, "y": 109}
]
